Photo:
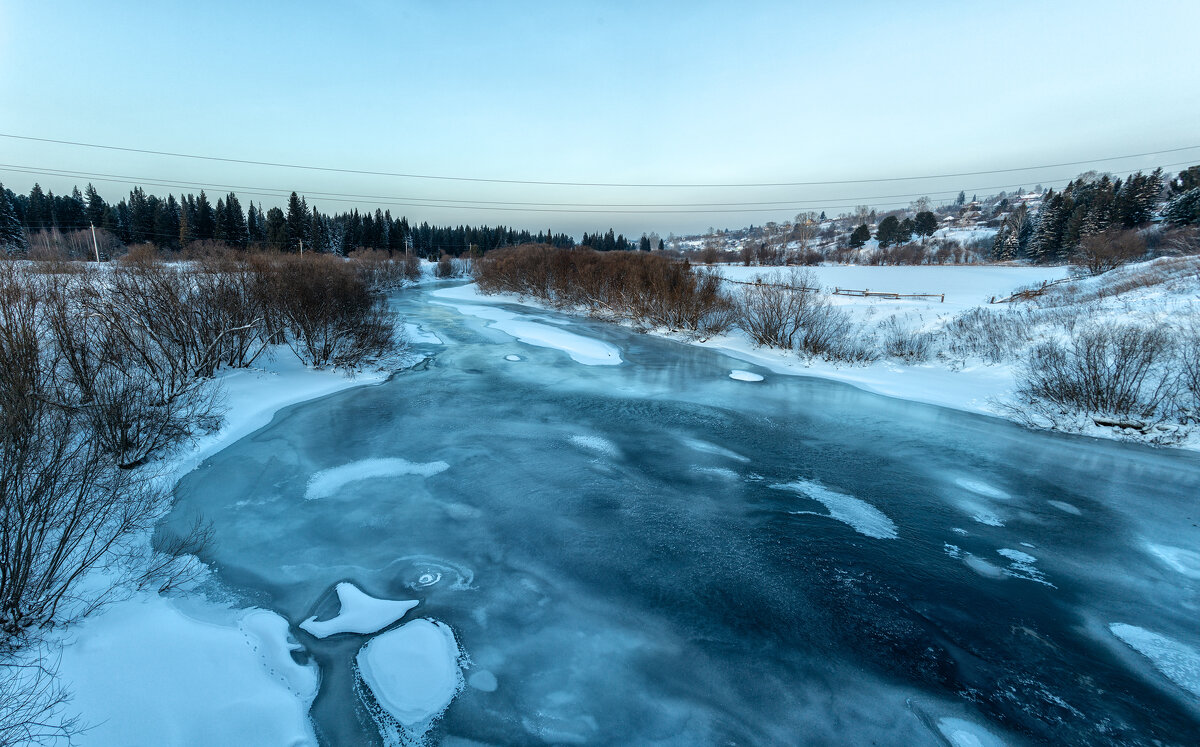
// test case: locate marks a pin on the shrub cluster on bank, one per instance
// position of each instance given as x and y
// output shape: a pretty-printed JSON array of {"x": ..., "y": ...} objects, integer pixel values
[
  {"x": 104, "y": 367},
  {"x": 646, "y": 289}
]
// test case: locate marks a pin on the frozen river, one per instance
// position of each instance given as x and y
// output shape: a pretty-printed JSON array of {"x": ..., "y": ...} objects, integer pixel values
[{"x": 632, "y": 547}]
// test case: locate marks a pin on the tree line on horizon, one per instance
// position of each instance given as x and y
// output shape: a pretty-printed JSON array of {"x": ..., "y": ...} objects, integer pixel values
[{"x": 173, "y": 223}]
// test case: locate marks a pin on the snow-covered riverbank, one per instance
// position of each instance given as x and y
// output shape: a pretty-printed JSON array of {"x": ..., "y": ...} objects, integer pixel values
[
  {"x": 962, "y": 383},
  {"x": 159, "y": 670}
]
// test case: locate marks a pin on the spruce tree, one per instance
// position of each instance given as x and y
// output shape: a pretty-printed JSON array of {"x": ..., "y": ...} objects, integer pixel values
[
  {"x": 94, "y": 212},
  {"x": 860, "y": 236},
  {"x": 205, "y": 224},
  {"x": 12, "y": 234},
  {"x": 297, "y": 222}
]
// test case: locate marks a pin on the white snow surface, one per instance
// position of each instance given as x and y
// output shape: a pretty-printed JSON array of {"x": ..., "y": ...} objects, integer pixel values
[
  {"x": 859, "y": 515},
  {"x": 1177, "y": 661},
  {"x": 144, "y": 673},
  {"x": 328, "y": 481},
  {"x": 359, "y": 613},
  {"x": 413, "y": 671},
  {"x": 740, "y": 375},
  {"x": 586, "y": 350}
]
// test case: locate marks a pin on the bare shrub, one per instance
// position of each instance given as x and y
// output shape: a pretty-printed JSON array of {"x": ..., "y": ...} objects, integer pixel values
[
  {"x": 647, "y": 289},
  {"x": 1189, "y": 364},
  {"x": 379, "y": 270},
  {"x": 987, "y": 335},
  {"x": 1118, "y": 371},
  {"x": 1101, "y": 252},
  {"x": 31, "y": 700},
  {"x": 770, "y": 311},
  {"x": 785, "y": 311},
  {"x": 325, "y": 312},
  {"x": 64, "y": 509},
  {"x": 445, "y": 267},
  {"x": 905, "y": 343}
]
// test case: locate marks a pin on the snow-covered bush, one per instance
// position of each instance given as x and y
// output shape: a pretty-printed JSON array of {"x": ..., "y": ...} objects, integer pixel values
[
  {"x": 905, "y": 343},
  {"x": 1122, "y": 371},
  {"x": 988, "y": 335}
]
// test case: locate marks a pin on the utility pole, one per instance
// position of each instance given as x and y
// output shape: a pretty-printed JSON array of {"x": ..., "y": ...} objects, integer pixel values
[
  {"x": 301, "y": 247},
  {"x": 95, "y": 245}
]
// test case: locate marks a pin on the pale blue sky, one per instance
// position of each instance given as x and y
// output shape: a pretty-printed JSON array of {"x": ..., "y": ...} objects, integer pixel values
[{"x": 631, "y": 92}]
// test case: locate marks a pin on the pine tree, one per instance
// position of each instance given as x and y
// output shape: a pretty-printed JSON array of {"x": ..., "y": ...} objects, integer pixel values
[
  {"x": 12, "y": 234},
  {"x": 961, "y": 200},
  {"x": 887, "y": 231},
  {"x": 925, "y": 224},
  {"x": 166, "y": 222},
  {"x": 37, "y": 216},
  {"x": 95, "y": 207},
  {"x": 297, "y": 223},
  {"x": 860, "y": 236},
  {"x": 205, "y": 224}
]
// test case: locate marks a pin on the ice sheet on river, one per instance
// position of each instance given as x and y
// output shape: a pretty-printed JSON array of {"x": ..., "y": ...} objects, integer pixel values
[
  {"x": 859, "y": 515},
  {"x": 1179, "y": 662},
  {"x": 328, "y": 481},
  {"x": 359, "y": 612},
  {"x": 413, "y": 673},
  {"x": 586, "y": 350}
]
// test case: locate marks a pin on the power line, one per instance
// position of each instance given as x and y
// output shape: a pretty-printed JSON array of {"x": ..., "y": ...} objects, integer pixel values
[
  {"x": 125, "y": 178},
  {"x": 483, "y": 205},
  {"x": 586, "y": 184}
]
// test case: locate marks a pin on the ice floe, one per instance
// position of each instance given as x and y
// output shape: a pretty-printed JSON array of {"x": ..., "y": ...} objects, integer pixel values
[
  {"x": 359, "y": 613},
  {"x": 596, "y": 444},
  {"x": 982, "y": 488},
  {"x": 962, "y": 733},
  {"x": 1178, "y": 662},
  {"x": 706, "y": 447},
  {"x": 859, "y": 515},
  {"x": 1065, "y": 507},
  {"x": 741, "y": 375},
  {"x": 1022, "y": 566},
  {"x": 1186, "y": 562},
  {"x": 414, "y": 334},
  {"x": 512, "y": 358},
  {"x": 586, "y": 350},
  {"x": 328, "y": 481},
  {"x": 413, "y": 673}
]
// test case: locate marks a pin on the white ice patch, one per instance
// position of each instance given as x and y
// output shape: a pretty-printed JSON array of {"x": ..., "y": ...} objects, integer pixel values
[
  {"x": 982, "y": 514},
  {"x": 512, "y": 358},
  {"x": 741, "y": 375},
  {"x": 982, "y": 567},
  {"x": 962, "y": 733},
  {"x": 859, "y": 515},
  {"x": 586, "y": 350},
  {"x": 413, "y": 333},
  {"x": 1179, "y": 662},
  {"x": 328, "y": 481},
  {"x": 413, "y": 673},
  {"x": 358, "y": 612},
  {"x": 721, "y": 472},
  {"x": 708, "y": 448},
  {"x": 1066, "y": 508},
  {"x": 982, "y": 488},
  {"x": 1022, "y": 566},
  {"x": 596, "y": 444},
  {"x": 1186, "y": 562}
]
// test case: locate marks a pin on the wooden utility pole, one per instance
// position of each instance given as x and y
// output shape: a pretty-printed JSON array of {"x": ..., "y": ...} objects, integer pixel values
[{"x": 95, "y": 245}]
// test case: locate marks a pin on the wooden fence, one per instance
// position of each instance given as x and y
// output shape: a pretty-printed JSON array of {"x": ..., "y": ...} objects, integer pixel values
[{"x": 865, "y": 293}]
